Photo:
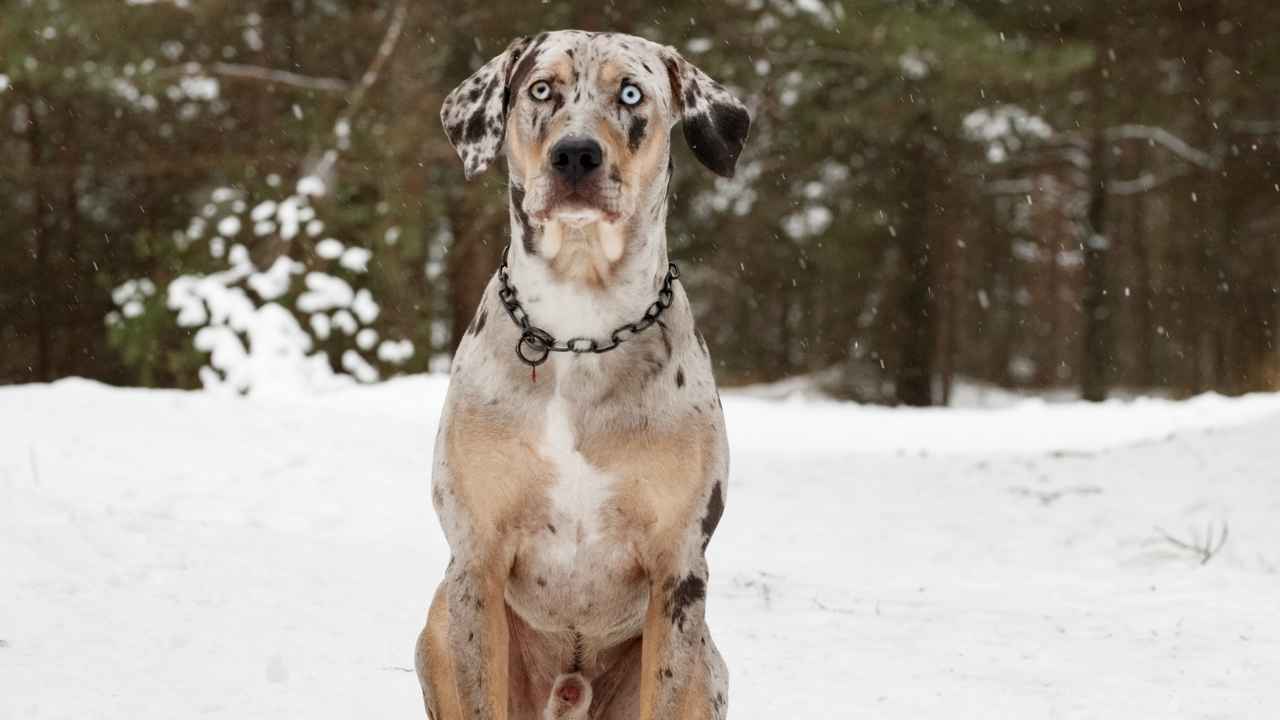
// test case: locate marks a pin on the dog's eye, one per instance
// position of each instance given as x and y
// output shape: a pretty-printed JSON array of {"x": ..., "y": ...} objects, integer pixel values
[
  {"x": 630, "y": 95},
  {"x": 540, "y": 90}
]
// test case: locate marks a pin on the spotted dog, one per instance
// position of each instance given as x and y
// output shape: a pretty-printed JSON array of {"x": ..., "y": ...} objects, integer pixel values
[{"x": 578, "y": 490}]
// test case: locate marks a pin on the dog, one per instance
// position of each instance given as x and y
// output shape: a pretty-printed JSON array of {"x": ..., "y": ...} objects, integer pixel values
[{"x": 581, "y": 464}]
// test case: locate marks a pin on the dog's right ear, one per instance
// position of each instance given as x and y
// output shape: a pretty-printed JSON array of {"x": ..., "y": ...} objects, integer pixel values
[{"x": 475, "y": 113}]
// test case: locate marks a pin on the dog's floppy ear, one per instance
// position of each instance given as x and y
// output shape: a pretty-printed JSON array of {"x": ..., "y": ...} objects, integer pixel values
[
  {"x": 715, "y": 122},
  {"x": 475, "y": 113}
]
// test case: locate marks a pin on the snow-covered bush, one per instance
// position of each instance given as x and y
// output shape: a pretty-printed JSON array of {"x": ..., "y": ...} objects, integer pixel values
[
  {"x": 1004, "y": 130},
  {"x": 282, "y": 308}
]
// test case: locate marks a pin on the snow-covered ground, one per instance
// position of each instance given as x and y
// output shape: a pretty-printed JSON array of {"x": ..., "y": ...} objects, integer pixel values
[{"x": 179, "y": 555}]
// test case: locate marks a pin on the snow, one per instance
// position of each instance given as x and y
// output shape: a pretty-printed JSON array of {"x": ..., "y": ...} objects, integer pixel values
[
  {"x": 172, "y": 554},
  {"x": 325, "y": 292},
  {"x": 1002, "y": 128},
  {"x": 263, "y": 211},
  {"x": 395, "y": 351},
  {"x": 914, "y": 65},
  {"x": 356, "y": 259},
  {"x": 274, "y": 281},
  {"x": 254, "y": 348},
  {"x": 329, "y": 248},
  {"x": 364, "y": 306},
  {"x": 229, "y": 226},
  {"x": 289, "y": 214}
]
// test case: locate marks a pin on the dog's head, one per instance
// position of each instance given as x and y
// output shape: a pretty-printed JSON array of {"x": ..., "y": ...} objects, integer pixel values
[{"x": 585, "y": 120}]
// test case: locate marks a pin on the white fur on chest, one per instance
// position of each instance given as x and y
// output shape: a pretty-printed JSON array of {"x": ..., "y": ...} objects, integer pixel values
[{"x": 580, "y": 490}]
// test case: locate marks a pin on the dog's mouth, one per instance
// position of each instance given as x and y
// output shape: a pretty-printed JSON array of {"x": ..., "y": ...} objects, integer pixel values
[
  {"x": 592, "y": 200},
  {"x": 579, "y": 208}
]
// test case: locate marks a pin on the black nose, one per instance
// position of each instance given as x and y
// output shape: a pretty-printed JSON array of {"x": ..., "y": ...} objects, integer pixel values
[{"x": 574, "y": 158}]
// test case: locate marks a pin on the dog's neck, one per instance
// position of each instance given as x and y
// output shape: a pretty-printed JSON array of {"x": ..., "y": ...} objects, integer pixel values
[{"x": 586, "y": 280}]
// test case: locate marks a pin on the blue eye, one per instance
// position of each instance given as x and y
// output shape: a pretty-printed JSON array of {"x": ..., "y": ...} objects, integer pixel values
[
  {"x": 630, "y": 95},
  {"x": 540, "y": 90}
]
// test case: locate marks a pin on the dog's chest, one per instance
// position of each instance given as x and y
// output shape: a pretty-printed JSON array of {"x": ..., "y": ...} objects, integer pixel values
[{"x": 575, "y": 567}]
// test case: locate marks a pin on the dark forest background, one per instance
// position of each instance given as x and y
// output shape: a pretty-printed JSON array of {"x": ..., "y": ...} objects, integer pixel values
[{"x": 1079, "y": 194}]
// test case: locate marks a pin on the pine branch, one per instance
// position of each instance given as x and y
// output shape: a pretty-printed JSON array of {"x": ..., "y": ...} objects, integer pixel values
[
  {"x": 260, "y": 74},
  {"x": 1167, "y": 140}
]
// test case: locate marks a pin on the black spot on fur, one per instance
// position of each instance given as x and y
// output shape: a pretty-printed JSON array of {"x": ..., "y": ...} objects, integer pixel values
[
  {"x": 527, "y": 231},
  {"x": 635, "y": 136},
  {"x": 542, "y": 582},
  {"x": 691, "y": 590},
  {"x": 679, "y": 377},
  {"x": 673, "y": 76},
  {"x": 479, "y": 323},
  {"x": 475, "y": 127},
  {"x": 552, "y": 528},
  {"x": 702, "y": 342},
  {"x": 522, "y": 70},
  {"x": 717, "y": 137},
  {"x": 715, "y": 509},
  {"x": 454, "y": 132},
  {"x": 690, "y": 98}
]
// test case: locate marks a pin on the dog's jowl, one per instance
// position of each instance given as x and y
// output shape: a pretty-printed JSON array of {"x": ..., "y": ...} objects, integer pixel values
[{"x": 581, "y": 465}]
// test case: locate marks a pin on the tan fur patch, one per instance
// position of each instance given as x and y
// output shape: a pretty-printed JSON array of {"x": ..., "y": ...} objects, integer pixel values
[
  {"x": 497, "y": 470},
  {"x": 661, "y": 480}
]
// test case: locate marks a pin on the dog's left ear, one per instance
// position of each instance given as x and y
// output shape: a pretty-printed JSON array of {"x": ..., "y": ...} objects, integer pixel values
[
  {"x": 475, "y": 113},
  {"x": 715, "y": 122}
]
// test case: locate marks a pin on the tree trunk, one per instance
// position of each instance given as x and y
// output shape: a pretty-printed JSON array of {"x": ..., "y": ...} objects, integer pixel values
[
  {"x": 40, "y": 241},
  {"x": 1094, "y": 302},
  {"x": 1142, "y": 295},
  {"x": 916, "y": 306},
  {"x": 474, "y": 254}
]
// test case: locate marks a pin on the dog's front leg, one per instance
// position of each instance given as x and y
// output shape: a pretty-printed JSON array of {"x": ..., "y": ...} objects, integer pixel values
[
  {"x": 478, "y": 631},
  {"x": 674, "y": 635}
]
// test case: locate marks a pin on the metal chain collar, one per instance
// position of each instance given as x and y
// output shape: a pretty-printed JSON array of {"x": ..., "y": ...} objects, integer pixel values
[{"x": 536, "y": 345}]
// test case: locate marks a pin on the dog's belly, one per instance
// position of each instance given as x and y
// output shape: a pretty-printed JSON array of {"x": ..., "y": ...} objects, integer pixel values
[{"x": 568, "y": 577}]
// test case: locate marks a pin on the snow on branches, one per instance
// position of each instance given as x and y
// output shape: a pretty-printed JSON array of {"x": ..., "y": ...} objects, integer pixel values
[{"x": 294, "y": 313}]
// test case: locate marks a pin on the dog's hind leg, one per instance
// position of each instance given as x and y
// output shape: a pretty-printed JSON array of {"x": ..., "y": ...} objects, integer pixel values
[
  {"x": 704, "y": 697},
  {"x": 708, "y": 696},
  {"x": 434, "y": 663}
]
